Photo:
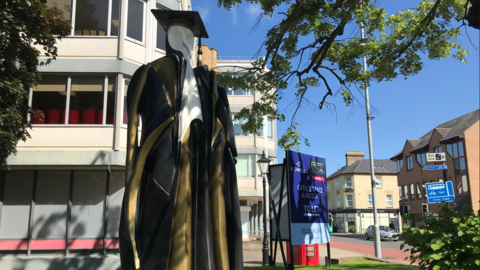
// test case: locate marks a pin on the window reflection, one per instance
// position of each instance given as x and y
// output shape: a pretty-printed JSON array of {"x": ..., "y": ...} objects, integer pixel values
[{"x": 49, "y": 99}]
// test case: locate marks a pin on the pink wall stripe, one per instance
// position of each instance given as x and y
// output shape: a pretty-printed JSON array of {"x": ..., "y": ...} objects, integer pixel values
[
  {"x": 112, "y": 243},
  {"x": 85, "y": 244},
  {"x": 13, "y": 245},
  {"x": 47, "y": 244}
]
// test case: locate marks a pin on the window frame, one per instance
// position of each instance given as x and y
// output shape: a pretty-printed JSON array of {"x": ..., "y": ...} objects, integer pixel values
[
  {"x": 419, "y": 190},
  {"x": 109, "y": 19},
  {"x": 68, "y": 104},
  {"x": 143, "y": 23},
  {"x": 391, "y": 200},
  {"x": 346, "y": 182},
  {"x": 376, "y": 182},
  {"x": 337, "y": 184},
  {"x": 409, "y": 163},
  {"x": 455, "y": 155},
  {"x": 370, "y": 200},
  {"x": 233, "y": 91},
  {"x": 399, "y": 165},
  {"x": 349, "y": 201},
  {"x": 405, "y": 193},
  {"x": 233, "y": 121},
  {"x": 159, "y": 7},
  {"x": 271, "y": 121},
  {"x": 412, "y": 191},
  {"x": 339, "y": 202}
]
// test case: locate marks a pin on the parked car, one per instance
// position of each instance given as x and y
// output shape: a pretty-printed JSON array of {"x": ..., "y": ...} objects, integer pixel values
[{"x": 385, "y": 233}]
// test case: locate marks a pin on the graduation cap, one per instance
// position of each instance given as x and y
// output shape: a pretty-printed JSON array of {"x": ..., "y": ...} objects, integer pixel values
[{"x": 167, "y": 18}]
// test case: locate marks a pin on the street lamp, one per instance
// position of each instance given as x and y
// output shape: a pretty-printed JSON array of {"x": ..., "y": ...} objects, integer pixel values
[{"x": 263, "y": 163}]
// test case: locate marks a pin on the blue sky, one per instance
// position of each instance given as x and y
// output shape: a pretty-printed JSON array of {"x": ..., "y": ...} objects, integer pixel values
[{"x": 403, "y": 109}]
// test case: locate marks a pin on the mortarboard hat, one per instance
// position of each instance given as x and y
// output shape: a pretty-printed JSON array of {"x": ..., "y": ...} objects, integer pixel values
[{"x": 166, "y": 17}]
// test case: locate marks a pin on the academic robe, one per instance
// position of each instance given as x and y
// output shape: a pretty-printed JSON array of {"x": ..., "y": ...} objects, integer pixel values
[{"x": 181, "y": 207}]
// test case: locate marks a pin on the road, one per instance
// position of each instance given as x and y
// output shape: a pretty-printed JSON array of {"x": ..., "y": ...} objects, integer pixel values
[
  {"x": 360, "y": 239},
  {"x": 357, "y": 243}
]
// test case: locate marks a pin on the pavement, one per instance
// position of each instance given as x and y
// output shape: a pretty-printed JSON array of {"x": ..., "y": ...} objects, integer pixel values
[
  {"x": 254, "y": 257},
  {"x": 342, "y": 245}
]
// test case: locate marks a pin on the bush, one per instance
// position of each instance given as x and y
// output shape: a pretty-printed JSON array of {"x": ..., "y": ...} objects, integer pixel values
[
  {"x": 351, "y": 229},
  {"x": 448, "y": 240}
]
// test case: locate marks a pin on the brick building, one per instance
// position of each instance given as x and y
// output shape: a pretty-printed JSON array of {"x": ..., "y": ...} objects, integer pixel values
[{"x": 459, "y": 138}]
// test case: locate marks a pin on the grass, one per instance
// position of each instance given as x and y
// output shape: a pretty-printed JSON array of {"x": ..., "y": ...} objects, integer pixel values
[{"x": 360, "y": 263}]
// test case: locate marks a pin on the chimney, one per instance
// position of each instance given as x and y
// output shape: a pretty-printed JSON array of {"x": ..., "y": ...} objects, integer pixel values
[{"x": 353, "y": 156}]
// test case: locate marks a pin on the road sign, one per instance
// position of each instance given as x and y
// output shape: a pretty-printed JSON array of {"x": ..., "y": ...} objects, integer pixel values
[
  {"x": 435, "y": 157},
  {"x": 440, "y": 192},
  {"x": 437, "y": 167}
]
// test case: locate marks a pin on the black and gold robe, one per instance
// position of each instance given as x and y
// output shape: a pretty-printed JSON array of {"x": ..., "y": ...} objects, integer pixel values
[{"x": 181, "y": 207}]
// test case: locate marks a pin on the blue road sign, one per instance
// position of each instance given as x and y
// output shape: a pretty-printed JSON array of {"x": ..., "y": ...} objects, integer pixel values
[
  {"x": 440, "y": 192},
  {"x": 437, "y": 167}
]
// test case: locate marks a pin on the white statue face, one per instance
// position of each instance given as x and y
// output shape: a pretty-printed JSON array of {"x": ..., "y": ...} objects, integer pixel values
[{"x": 181, "y": 39}]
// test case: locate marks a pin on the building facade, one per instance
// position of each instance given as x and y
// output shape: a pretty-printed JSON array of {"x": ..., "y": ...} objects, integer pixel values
[
  {"x": 459, "y": 139},
  {"x": 249, "y": 146},
  {"x": 63, "y": 190},
  {"x": 349, "y": 194}
]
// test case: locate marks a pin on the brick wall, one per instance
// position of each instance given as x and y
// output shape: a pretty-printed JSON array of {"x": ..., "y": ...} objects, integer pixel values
[
  {"x": 472, "y": 153},
  {"x": 209, "y": 57}
]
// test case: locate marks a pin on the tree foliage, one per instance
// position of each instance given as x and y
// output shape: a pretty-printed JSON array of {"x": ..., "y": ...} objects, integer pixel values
[
  {"x": 449, "y": 240},
  {"x": 24, "y": 25},
  {"x": 310, "y": 46}
]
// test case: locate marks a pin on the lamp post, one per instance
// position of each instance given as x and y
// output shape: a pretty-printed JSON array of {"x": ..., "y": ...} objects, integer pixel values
[{"x": 263, "y": 163}]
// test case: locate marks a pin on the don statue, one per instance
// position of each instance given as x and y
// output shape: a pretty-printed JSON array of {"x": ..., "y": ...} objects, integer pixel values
[{"x": 181, "y": 208}]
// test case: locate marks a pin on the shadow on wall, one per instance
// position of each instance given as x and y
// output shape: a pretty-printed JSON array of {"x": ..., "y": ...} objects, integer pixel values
[{"x": 111, "y": 262}]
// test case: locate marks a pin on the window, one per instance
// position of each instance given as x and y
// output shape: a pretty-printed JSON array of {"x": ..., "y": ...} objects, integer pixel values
[
  {"x": 92, "y": 17},
  {"x": 456, "y": 151},
  {"x": 349, "y": 200},
  {"x": 245, "y": 166},
  {"x": 339, "y": 202},
  {"x": 87, "y": 99},
  {"x": 389, "y": 200},
  {"x": 405, "y": 192},
  {"x": 348, "y": 182},
  {"x": 237, "y": 126},
  {"x": 424, "y": 190},
  {"x": 370, "y": 200},
  {"x": 400, "y": 193},
  {"x": 160, "y": 43},
  {"x": 421, "y": 159},
  {"x": 126, "y": 83},
  {"x": 437, "y": 149},
  {"x": 412, "y": 192},
  {"x": 399, "y": 165},
  {"x": 136, "y": 20},
  {"x": 379, "y": 182},
  {"x": 239, "y": 91},
  {"x": 409, "y": 163},
  {"x": 337, "y": 184},
  {"x": 419, "y": 191},
  {"x": 91, "y": 100},
  {"x": 269, "y": 128},
  {"x": 49, "y": 100},
  {"x": 329, "y": 203}
]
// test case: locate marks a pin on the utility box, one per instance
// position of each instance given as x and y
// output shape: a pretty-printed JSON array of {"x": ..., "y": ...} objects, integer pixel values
[{"x": 304, "y": 254}]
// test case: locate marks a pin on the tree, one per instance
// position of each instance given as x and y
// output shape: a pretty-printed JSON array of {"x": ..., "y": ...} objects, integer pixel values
[
  {"x": 310, "y": 46},
  {"x": 24, "y": 24},
  {"x": 448, "y": 240}
]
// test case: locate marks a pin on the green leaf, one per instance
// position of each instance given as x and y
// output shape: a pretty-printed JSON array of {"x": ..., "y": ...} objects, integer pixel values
[
  {"x": 460, "y": 233},
  {"x": 435, "y": 246},
  {"x": 436, "y": 256}
]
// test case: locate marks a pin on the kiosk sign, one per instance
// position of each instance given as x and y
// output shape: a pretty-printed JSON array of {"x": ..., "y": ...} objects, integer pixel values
[{"x": 307, "y": 199}]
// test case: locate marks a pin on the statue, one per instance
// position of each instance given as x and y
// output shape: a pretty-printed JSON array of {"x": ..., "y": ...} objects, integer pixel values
[{"x": 181, "y": 207}]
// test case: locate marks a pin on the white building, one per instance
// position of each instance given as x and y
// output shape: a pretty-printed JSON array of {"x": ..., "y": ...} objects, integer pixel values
[{"x": 64, "y": 188}]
